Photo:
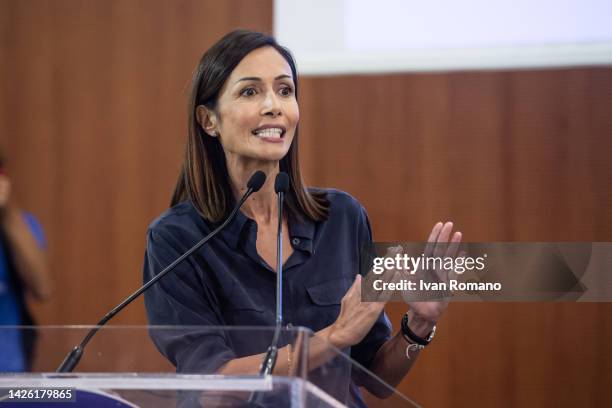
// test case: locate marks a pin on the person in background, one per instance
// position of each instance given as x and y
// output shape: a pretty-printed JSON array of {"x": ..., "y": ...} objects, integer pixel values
[{"x": 23, "y": 271}]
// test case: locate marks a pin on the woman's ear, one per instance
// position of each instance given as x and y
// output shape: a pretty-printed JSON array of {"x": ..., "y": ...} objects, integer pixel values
[{"x": 207, "y": 120}]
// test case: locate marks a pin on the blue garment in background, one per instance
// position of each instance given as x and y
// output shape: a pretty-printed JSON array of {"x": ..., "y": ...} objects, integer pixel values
[{"x": 12, "y": 358}]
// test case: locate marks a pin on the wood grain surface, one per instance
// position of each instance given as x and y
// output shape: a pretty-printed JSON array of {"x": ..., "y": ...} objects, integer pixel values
[{"x": 93, "y": 121}]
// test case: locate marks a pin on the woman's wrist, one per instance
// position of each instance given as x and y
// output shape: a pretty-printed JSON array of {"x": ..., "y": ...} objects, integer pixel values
[
  {"x": 334, "y": 337},
  {"x": 419, "y": 326}
]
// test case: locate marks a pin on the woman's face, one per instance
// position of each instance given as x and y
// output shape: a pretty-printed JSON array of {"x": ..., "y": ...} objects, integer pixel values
[{"x": 257, "y": 112}]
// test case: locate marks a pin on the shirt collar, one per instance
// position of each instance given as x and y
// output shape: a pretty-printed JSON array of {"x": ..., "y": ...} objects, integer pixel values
[
  {"x": 301, "y": 231},
  {"x": 233, "y": 231}
]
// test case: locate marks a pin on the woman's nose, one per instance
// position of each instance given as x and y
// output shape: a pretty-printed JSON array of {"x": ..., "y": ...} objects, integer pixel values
[{"x": 271, "y": 105}]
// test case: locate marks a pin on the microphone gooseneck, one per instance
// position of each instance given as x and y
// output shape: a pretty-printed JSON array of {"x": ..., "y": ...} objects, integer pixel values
[
  {"x": 72, "y": 359},
  {"x": 281, "y": 186}
]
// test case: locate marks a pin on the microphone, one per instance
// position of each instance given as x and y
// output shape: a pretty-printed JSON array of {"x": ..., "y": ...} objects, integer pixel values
[
  {"x": 281, "y": 186},
  {"x": 72, "y": 359}
]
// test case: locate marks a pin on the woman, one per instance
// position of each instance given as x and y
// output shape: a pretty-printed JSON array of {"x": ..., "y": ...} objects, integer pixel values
[{"x": 244, "y": 117}]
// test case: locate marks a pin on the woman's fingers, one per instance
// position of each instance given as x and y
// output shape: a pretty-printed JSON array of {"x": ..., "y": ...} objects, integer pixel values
[
  {"x": 442, "y": 242},
  {"x": 356, "y": 317},
  {"x": 454, "y": 245},
  {"x": 433, "y": 237},
  {"x": 377, "y": 307},
  {"x": 353, "y": 295}
]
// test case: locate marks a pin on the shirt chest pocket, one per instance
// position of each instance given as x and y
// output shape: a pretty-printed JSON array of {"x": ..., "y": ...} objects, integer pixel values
[{"x": 326, "y": 298}]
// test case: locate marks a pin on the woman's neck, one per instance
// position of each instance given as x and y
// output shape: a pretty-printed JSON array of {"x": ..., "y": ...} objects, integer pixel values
[{"x": 260, "y": 206}]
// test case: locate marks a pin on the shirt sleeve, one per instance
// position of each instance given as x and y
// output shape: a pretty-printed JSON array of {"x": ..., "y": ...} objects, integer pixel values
[
  {"x": 380, "y": 332},
  {"x": 183, "y": 298}
]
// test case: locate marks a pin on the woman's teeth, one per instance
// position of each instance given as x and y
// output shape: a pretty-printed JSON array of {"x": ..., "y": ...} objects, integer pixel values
[{"x": 271, "y": 132}]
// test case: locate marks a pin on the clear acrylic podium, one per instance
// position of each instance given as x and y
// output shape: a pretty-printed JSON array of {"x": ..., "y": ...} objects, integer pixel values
[{"x": 122, "y": 367}]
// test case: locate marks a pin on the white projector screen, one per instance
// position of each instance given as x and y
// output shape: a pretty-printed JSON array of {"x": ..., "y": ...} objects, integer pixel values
[{"x": 367, "y": 36}]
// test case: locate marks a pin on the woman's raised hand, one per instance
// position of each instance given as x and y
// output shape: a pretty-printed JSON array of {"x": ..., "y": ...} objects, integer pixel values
[
  {"x": 441, "y": 243},
  {"x": 356, "y": 317}
]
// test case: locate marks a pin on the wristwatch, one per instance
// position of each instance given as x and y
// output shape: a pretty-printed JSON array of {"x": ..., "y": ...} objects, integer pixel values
[{"x": 416, "y": 343}]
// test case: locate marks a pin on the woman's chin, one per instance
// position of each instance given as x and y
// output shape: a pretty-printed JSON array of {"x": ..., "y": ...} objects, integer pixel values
[{"x": 271, "y": 155}]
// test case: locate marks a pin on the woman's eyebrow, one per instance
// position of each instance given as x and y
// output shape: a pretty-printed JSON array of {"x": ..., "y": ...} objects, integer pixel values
[{"x": 283, "y": 76}]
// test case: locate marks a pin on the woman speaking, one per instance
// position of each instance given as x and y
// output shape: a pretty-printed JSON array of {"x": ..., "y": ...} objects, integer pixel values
[{"x": 244, "y": 117}]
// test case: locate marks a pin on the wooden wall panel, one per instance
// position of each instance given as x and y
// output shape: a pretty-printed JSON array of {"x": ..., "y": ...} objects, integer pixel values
[
  {"x": 92, "y": 121},
  {"x": 508, "y": 156},
  {"x": 93, "y": 127}
]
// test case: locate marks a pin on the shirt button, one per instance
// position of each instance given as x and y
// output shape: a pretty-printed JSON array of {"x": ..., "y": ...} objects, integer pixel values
[{"x": 295, "y": 241}]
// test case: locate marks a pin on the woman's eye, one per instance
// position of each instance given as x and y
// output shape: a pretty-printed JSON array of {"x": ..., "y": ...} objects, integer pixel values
[
  {"x": 248, "y": 92},
  {"x": 286, "y": 91}
]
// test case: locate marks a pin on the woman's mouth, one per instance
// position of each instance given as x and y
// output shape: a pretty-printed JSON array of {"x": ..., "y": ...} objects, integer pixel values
[{"x": 269, "y": 132}]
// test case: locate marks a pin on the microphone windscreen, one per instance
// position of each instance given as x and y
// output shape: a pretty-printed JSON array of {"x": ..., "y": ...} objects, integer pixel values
[
  {"x": 281, "y": 184},
  {"x": 256, "y": 181}
]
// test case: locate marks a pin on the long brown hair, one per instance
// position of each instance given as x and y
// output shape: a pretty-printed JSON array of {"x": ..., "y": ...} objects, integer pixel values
[{"x": 204, "y": 178}]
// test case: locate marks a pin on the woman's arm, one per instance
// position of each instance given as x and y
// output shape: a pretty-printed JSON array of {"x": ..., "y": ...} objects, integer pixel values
[
  {"x": 30, "y": 258},
  {"x": 354, "y": 322},
  {"x": 319, "y": 352},
  {"x": 391, "y": 363}
]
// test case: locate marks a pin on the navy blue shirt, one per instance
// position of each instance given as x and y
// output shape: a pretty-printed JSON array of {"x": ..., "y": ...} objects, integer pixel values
[{"x": 226, "y": 282}]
